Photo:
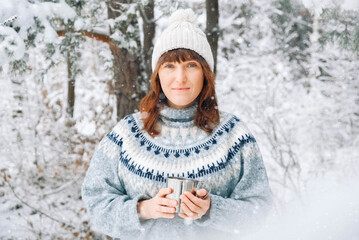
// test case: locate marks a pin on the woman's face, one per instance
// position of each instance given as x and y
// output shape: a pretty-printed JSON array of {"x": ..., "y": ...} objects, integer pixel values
[{"x": 181, "y": 82}]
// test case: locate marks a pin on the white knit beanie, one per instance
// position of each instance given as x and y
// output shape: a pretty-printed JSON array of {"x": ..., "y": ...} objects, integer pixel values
[{"x": 182, "y": 33}]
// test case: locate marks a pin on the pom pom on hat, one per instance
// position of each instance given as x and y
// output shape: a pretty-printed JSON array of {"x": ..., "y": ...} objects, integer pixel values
[
  {"x": 183, "y": 15},
  {"x": 182, "y": 32}
]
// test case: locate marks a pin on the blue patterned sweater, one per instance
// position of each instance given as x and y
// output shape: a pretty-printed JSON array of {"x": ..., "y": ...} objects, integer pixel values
[{"x": 129, "y": 165}]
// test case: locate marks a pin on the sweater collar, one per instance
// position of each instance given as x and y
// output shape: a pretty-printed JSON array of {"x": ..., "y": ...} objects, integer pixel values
[{"x": 171, "y": 116}]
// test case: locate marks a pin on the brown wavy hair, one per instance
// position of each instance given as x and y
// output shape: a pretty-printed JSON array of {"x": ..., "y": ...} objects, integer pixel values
[{"x": 207, "y": 114}]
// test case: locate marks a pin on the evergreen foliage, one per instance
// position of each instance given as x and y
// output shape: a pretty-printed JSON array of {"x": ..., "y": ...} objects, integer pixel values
[
  {"x": 125, "y": 29},
  {"x": 292, "y": 26},
  {"x": 341, "y": 26},
  {"x": 299, "y": 99}
]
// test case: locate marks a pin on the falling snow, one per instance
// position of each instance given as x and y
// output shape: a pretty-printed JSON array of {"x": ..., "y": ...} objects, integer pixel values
[{"x": 303, "y": 114}]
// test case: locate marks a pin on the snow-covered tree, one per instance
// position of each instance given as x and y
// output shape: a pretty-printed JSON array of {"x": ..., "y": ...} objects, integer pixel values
[{"x": 288, "y": 69}]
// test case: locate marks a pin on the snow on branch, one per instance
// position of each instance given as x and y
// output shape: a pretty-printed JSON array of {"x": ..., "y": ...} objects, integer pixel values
[
  {"x": 97, "y": 36},
  {"x": 30, "y": 206},
  {"x": 9, "y": 21}
]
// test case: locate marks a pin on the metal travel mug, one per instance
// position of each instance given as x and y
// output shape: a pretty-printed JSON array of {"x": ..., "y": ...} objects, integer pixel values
[
  {"x": 176, "y": 185},
  {"x": 179, "y": 186}
]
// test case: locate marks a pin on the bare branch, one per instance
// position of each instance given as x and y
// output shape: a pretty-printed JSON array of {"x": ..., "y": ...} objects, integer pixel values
[
  {"x": 62, "y": 187},
  {"x": 37, "y": 210}
]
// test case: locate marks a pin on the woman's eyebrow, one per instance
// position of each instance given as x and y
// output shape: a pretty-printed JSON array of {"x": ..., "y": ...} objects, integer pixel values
[
  {"x": 188, "y": 61},
  {"x": 167, "y": 62}
]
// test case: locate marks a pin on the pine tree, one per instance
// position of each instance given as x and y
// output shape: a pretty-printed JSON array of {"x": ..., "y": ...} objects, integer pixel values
[
  {"x": 340, "y": 26},
  {"x": 292, "y": 27}
]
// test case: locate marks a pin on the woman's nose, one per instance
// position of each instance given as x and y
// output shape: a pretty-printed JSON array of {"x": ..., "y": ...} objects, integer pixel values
[{"x": 181, "y": 75}]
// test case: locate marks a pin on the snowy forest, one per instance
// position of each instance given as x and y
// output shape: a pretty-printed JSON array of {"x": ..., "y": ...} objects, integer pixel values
[{"x": 71, "y": 69}]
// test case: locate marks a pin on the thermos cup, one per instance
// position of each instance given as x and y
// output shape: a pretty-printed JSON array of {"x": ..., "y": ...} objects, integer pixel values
[{"x": 179, "y": 186}]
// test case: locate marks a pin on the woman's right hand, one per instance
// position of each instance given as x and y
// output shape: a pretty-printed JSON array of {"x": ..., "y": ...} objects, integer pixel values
[{"x": 158, "y": 206}]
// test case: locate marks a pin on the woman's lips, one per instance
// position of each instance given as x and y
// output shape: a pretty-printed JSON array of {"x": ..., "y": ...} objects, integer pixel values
[{"x": 180, "y": 89}]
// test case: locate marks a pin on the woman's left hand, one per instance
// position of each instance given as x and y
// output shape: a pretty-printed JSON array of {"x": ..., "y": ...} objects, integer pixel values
[{"x": 194, "y": 207}]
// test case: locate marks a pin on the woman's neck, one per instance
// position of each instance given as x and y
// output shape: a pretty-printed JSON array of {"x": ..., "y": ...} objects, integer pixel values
[
  {"x": 177, "y": 117},
  {"x": 180, "y": 107}
]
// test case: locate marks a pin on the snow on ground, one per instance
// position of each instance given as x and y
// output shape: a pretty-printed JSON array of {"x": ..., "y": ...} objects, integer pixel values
[
  {"x": 306, "y": 121},
  {"x": 329, "y": 209}
]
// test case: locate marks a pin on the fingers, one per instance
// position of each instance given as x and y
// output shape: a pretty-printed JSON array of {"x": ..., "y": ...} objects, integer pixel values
[
  {"x": 188, "y": 214},
  {"x": 163, "y": 209},
  {"x": 190, "y": 202},
  {"x": 193, "y": 207},
  {"x": 158, "y": 206},
  {"x": 164, "y": 191},
  {"x": 167, "y": 202},
  {"x": 201, "y": 193},
  {"x": 192, "y": 199},
  {"x": 183, "y": 215}
]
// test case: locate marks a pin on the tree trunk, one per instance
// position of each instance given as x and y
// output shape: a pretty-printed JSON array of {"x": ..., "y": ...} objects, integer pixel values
[
  {"x": 126, "y": 66},
  {"x": 149, "y": 28},
  {"x": 126, "y": 71},
  {"x": 212, "y": 27},
  {"x": 70, "y": 87}
]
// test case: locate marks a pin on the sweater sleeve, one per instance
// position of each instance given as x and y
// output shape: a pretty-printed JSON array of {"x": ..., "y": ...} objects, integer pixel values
[
  {"x": 111, "y": 210},
  {"x": 249, "y": 203}
]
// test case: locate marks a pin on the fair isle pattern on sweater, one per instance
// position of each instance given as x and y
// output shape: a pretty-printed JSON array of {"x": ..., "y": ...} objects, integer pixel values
[
  {"x": 193, "y": 161},
  {"x": 129, "y": 165}
]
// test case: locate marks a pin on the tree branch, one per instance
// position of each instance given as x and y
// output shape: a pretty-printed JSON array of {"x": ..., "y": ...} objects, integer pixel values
[
  {"x": 97, "y": 36},
  {"x": 62, "y": 187},
  {"x": 35, "y": 209},
  {"x": 9, "y": 21}
]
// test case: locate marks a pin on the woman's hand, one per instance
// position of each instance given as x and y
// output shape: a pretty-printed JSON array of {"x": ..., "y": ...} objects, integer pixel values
[
  {"x": 158, "y": 206},
  {"x": 195, "y": 207}
]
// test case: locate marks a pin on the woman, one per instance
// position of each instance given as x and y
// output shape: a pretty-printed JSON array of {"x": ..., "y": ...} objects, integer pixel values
[{"x": 179, "y": 131}]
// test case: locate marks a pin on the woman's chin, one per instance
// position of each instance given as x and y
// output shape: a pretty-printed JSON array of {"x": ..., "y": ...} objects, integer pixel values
[{"x": 180, "y": 104}]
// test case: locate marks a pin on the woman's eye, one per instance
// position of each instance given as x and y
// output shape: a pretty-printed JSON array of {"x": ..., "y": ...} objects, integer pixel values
[
  {"x": 191, "y": 65},
  {"x": 168, "y": 66}
]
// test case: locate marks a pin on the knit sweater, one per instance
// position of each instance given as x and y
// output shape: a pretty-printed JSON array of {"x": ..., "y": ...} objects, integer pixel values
[{"x": 129, "y": 165}]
